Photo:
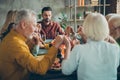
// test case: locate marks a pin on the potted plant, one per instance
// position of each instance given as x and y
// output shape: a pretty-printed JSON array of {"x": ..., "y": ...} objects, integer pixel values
[
  {"x": 79, "y": 15},
  {"x": 63, "y": 20}
]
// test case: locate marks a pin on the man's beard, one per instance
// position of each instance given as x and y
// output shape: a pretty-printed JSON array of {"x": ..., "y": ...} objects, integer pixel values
[
  {"x": 46, "y": 20},
  {"x": 29, "y": 36}
]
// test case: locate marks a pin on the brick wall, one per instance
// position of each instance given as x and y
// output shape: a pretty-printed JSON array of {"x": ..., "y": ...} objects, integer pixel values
[
  {"x": 118, "y": 6},
  {"x": 112, "y": 7}
]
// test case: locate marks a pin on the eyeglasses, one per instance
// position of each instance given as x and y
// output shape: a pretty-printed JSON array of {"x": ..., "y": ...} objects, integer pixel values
[{"x": 115, "y": 28}]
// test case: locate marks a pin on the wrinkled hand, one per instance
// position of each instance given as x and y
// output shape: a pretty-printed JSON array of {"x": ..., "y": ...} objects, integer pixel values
[
  {"x": 67, "y": 42},
  {"x": 58, "y": 41},
  {"x": 75, "y": 42},
  {"x": 68, "y": 46},
  {"x": 80, "y": 30},
  {"x": 81, "y": 33},
  {"x": 110, "y": 39},
  {"x": 36, "y": 39}
]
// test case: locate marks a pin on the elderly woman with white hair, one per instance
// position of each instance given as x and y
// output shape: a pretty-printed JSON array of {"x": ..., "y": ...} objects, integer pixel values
[{"x": 97, "y": 59}]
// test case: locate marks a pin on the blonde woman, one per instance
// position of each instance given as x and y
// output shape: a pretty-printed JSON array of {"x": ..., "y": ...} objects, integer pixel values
[
  {"x": 9, "y": 23},
  {"x": 10, "y": 18}
]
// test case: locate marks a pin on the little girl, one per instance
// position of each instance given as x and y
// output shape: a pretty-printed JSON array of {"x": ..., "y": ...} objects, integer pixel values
[{"x": 36, "y": 42}]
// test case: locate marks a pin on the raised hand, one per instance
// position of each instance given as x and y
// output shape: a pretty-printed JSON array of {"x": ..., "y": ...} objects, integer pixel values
[{"x": 58, "y": 41}]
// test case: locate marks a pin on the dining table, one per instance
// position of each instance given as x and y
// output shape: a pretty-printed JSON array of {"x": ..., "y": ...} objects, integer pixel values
[{"x": 53, "y": 73}]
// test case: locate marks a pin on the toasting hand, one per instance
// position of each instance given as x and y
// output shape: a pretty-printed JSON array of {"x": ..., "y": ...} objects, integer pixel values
[{"x": 36, "y": 39}]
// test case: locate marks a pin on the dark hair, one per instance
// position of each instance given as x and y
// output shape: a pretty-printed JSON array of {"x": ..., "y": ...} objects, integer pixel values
[{"x": 46, "y": 9}]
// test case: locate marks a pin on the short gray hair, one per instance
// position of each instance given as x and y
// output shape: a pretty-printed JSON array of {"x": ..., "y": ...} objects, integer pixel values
[
  {"x": 24, "y": 14},
  {"x": 96, "y": 26},
  {"x": 108, "y": 16},
  {"x": 115, "y": 20}
]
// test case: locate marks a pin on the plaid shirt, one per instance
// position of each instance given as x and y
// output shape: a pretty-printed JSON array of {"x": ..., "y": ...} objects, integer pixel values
[{"x": 51, "y": 30}]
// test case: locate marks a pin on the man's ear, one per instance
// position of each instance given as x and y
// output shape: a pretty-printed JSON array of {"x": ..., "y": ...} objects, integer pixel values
[
  {"x": 51, "y": 15},
  {"x": 22, "y": 24}
]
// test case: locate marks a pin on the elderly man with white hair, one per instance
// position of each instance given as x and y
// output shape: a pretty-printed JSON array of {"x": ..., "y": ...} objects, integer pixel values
[
  {"x": 114, "y": 25},
  {"x": 16, "y": 60}
]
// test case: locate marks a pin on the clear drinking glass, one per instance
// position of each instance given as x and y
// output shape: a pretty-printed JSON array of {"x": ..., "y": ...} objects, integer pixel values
[{"x": 43, "y": 37}]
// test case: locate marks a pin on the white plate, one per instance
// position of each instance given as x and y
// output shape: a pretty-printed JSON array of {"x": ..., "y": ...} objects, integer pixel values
[
  {"x": 48, "y": 40},
  {"x": 42, "y": 51}
]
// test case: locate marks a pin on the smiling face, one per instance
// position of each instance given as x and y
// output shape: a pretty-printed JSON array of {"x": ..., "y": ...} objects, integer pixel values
[
  {"x": 47, "y": 15},
  {"x": 114, "y": 25},
  {"x": 115, "y": 31}
]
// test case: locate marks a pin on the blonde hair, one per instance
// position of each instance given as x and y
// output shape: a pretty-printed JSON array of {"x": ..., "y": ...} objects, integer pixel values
[
  {"x": 10, "y": 18},
  {"x": 96, "y": 26}
]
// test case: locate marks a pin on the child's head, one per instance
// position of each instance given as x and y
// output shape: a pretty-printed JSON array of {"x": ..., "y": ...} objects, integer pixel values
[{"x": 38, "y": 28}]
